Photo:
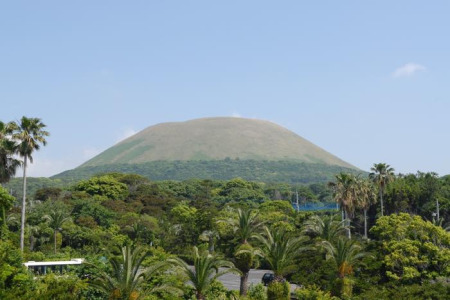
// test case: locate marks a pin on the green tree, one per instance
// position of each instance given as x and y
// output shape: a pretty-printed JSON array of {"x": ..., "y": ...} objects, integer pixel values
[
  {"x": 56, "y": 219},
  {"x": 280, "y": 249},
  {"x": 15, "y": 281},
  {"x": 344, "y": 254},
  {"x": 239, "y": 190},
  {"x": 366, "y": 197},
  {"x": 345, "y": 194},
  {"x": 30, "y": 135},
  {"x": 6, "y": 202},
  {"x": 128, "y": 278},
  {"x": 327, "y": 228},
  {"x": 381, "y": 175},
  {"x": 245, "y": 224},
  {"x": 205, "y": 270},
  {"x": 105, "y": 187},
  {"x": 411, "y": 249},
  {"x": 8, "y": 164}
]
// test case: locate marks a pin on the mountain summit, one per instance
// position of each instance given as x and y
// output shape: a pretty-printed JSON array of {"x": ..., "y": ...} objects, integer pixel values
[{"x": 215, "y": 139}]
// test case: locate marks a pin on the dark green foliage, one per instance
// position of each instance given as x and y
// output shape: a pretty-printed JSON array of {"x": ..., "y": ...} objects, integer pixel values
[
  {"x": 313, "y": 269},
  {"x": 8, "y": 147},
  {"x": 173, "y": 216},
  {"x": 46, "y": 193},
  {"x": 34, "y": 184},
  {"x": 6, "y": 202},
  {"x": 257, "y": 292},
  {"x": 429, "y": 291},
  {"x": 85, "y": 208},
  {"x": 239, "y": 190},
  {"x": 255, "y": 170},
  {"x": 278, "y": 291}
]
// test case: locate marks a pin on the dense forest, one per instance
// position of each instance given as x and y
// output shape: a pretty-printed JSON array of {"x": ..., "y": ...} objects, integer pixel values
[
  {"x": 169, "y": 239},
  {"x": 287, "y": 171}
]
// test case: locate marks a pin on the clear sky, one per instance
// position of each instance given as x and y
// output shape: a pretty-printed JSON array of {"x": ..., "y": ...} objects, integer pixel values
[{"x": 368, "y": 81}]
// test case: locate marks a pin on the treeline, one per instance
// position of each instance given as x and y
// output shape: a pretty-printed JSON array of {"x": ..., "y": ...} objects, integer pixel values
[
  {"x": 292, "y": 172},
  {"x": 405, "y": 255}
]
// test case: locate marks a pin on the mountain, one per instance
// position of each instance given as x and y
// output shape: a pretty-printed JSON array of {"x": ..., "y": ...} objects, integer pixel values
[{"x": 194, "y": 146}]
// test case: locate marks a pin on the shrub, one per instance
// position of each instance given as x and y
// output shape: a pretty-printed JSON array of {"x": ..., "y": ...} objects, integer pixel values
[
  {"x": 313, "y": 293},
  {"x": 257, "y": 292},
  {"x": 278, "y": 291}
]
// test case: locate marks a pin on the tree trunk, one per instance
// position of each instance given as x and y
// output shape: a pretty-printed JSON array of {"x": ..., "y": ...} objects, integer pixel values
[
  {"x": 437, "y": 210},
  {"x": 200, "y": 296},
  {"x": 211, "y": 244},
  {"x": 54, "y": 238},
  {"x": 381, "y": 201},
  {"x": 349, "y": 232},
  {"x": 365, "y": 223},
  {"x": 346, "y": 217},
  {"x": 244, "y": 286},
  {"x": 31, "y": 242},
  {"x": 24, "y": 199}
]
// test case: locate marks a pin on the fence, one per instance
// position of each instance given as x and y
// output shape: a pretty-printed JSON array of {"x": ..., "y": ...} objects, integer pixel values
[{"x": 315, "y": 206}]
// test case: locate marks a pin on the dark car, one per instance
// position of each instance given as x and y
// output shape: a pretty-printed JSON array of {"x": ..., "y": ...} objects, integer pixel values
[{"x": 267, "y": 278}]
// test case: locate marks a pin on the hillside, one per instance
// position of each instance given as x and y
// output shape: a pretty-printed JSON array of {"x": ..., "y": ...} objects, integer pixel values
[{"x": 217, "y": 148}]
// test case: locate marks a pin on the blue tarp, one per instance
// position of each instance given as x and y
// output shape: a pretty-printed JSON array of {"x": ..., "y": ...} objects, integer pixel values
[{"x": 315, "y": 206}]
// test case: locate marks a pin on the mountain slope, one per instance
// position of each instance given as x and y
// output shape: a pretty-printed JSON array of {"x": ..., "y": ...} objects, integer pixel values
[
  {"x": 217, "y": 148},
  {"x": 215, "y": 139}
]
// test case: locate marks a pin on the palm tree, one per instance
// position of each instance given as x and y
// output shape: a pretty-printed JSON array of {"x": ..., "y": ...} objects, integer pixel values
[
  {"x": 8, "y": 164},
  {"x": 245, "y": 258},
  {"x": 29, "y": 134},
  {"x": 33, "y": 232},
  {"x": 280, "y": 249},
  {"x": 366, "y": 197},
  {"x": 345, "y": 194},
  {"x": 56, "y": 219},
  {"x": 327, "y": 228},
  {"x": 345, "y": 254},
  {"x": 128, "y": 279},
  {"x": 381, "y": 175},
  {"x": 205, "y": 270},
  {"x": 245, "y": 224}
]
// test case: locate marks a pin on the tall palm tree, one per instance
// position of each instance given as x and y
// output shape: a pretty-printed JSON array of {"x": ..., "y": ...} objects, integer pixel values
[
  {"x": 29, "y": 134},
  {"x": 56, "y": 219},
  {"x": 366, "y": 197},
  {"x": 381, "y": 175},
  {"x": 127, "y": 279},
  {"x": 345, "y": 254},
  {"x": 345, "y": 194},
  {"x": 8, "y": 164},
  {"x": 205, "y": 270},
  {"x": 280, "y": 249},
  {"x": 245, "y": 224}
]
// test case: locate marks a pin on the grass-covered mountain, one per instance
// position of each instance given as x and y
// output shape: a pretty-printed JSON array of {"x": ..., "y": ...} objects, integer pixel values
[{"x": 218, "y": 148}]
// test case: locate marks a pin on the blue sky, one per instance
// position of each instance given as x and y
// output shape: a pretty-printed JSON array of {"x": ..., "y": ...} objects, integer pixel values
[{"x": 366, "y": 80}]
